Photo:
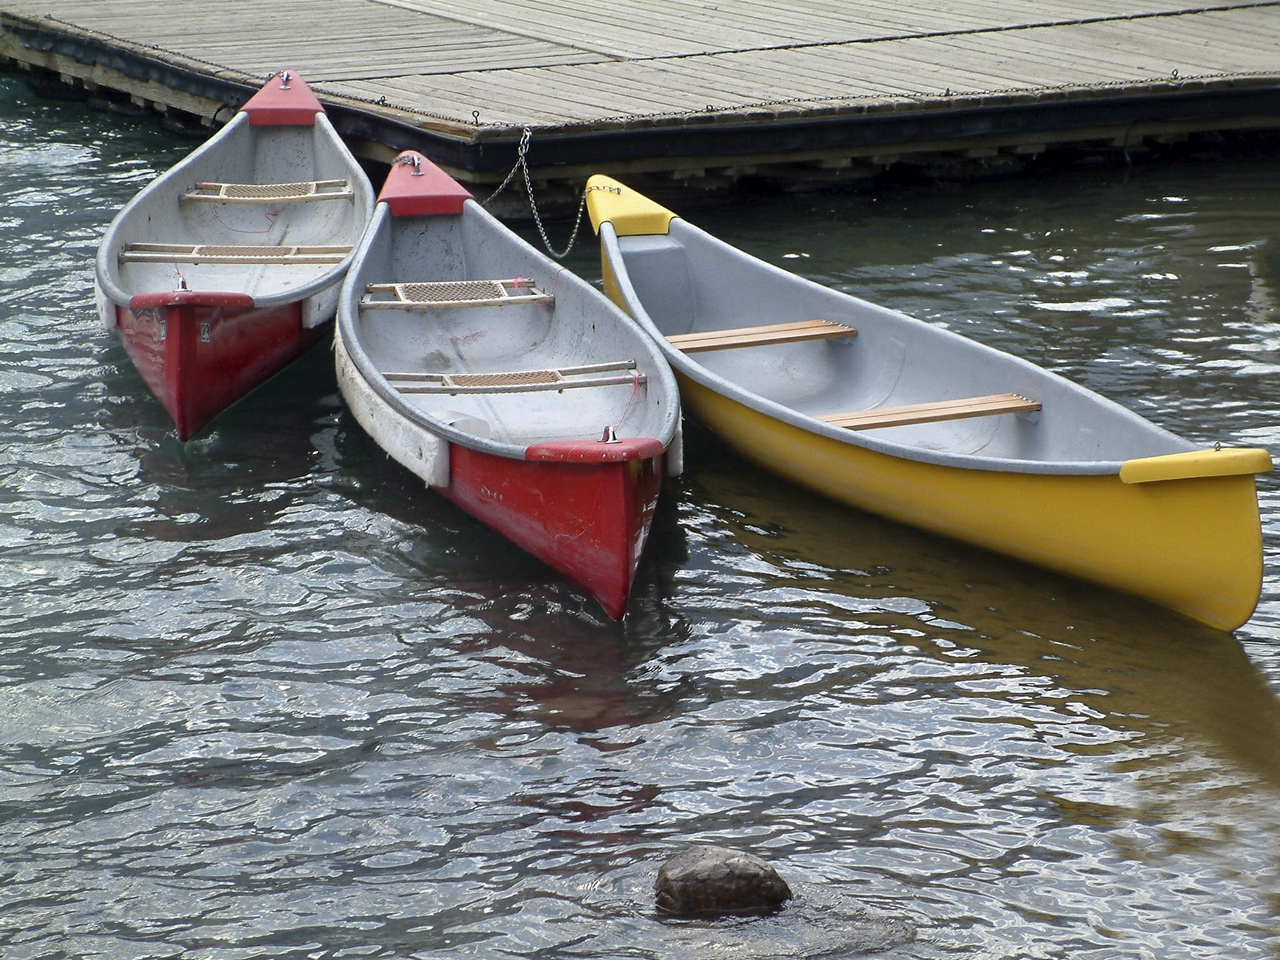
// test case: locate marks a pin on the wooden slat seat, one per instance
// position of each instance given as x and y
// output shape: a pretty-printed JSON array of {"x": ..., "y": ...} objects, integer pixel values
[
  {"x": 760, "y": 335},
  {"x": 223, "y": 253},
  {"x": 269, "y": 192},
  {"x": 561, "y": 378},
  {"x": 438, "y": 294},
  {"x": 932, "y": 412}
]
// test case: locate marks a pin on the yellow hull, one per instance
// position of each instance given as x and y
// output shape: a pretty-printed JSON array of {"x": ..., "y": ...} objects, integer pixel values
[
  {"x": 1180, "y": 529},
  {"x": 1194, "y": 545}
]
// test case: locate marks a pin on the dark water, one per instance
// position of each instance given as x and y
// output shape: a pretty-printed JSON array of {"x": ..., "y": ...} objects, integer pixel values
[{"x": 261, "y": 696}]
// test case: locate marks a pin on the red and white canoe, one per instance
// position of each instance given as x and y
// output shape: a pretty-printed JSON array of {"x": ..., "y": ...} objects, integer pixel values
[
  {"x": 227, "y": 267},
  {"x": 507, "y": 383}
]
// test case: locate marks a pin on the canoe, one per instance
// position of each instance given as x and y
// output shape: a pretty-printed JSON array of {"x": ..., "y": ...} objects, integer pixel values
[
  {"x": 227, "y": 267},
  {"x": 508, "y": 384},
  {"x": 905, "y": 419}
]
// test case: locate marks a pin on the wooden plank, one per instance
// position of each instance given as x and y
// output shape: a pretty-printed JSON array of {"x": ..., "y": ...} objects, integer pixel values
[
  {"x": 522, "y": 381},
  {"x": 460, "y": 385},
  {"x": 481, "y": 68},
  {"x": 913, "y": 413},
  {"x": 216, "y": 253},
  {"x": 762, "y": 335},
  {"x": 647, "y": 29},
  {"x": 376, "y": 39}
]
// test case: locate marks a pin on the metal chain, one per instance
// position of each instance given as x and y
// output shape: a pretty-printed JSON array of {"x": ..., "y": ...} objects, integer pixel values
[
  {"x": 522, "y": 164},
  {"x": 520, "y": 153}
]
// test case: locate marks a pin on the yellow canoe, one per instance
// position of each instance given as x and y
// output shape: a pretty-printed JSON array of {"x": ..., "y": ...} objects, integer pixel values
[{"x": 908, "y": 420}]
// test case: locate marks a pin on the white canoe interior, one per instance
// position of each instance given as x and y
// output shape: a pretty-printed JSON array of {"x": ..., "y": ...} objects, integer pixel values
[
  {"x": 270, "y": 211},
  {"x": 474, "y": 329},
  {"x": 802, "y": 352}
]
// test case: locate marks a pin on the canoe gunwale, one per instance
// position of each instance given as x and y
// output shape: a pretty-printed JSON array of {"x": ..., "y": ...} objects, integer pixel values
[
  {"x": 176, "y": 181},
  {"x": 1180, "y": 527},
  {"x": 583, "y": 505},
  {"x": 694, "y": 370},
  {"x": 398, "y": 402},
  {"x": 204, "y": 317}
]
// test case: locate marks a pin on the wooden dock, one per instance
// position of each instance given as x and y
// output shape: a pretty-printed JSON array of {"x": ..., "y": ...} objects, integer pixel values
[{"x": 824, "y": 90}]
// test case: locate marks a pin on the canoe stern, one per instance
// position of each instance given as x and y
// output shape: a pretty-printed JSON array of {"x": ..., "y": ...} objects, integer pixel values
[
  {"x": 1217, "y": 461},
  {"x": 631, "y": 213},
  {"x": 199, "y": 352},
  {"x": 587, "y": 518},
  {"x": 416, "y": 187},
  {"x": 1193, "y": 544},
  {"x": 283, "y": 101}
]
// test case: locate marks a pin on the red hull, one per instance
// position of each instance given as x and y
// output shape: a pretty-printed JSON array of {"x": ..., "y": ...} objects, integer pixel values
[
  {"x": 587, "y": 518},
  {"x": 201, "y": 353}
]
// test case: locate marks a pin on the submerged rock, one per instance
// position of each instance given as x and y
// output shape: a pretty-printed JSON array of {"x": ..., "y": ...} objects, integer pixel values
[
  {"x": 727, "y": 903},
  {"x": 707, "y": 881}
]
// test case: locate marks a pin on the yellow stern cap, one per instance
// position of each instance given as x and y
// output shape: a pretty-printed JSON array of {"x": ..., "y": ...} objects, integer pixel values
[
  {"x": 631, "y": 213},
  {"x": 1216, "y": 462}
]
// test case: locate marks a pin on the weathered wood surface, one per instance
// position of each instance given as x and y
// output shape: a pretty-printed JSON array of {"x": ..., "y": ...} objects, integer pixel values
[
  {"x": 485, "y": 69},
  {"x": 763, "y": 335},
  {"x": 939, "y": 410}
]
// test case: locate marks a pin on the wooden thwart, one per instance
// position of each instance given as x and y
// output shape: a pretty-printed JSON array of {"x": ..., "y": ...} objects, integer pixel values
[
  {"x": 931, "y": 412},
  {"x": 760, "y": 335},
  {"x": 270, "y": 192},
  {"x": 437, "y": 294},
  {"x": 215, "y": 253},
  {"x": 561, "y": 378}
]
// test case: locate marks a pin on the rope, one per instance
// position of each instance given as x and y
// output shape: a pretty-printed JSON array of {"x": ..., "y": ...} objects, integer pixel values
[
  {"x": 522, "y": 165},
  {"x": 635, "y": 392}
]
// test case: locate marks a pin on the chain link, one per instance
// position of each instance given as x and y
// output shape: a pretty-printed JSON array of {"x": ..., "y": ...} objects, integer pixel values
[
  {"x": 520, "y": 154},
  {"x": 522, "y": 165}
]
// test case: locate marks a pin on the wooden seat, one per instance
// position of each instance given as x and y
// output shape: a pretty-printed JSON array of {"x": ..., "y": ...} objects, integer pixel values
[
  {"x": 216, "y": 253},
  {"x": 760, "y": 335},
  {"x": 269, "y": 192},
  {"x": 931, "y": 412},
  {"x": 438, "y": 294},
  {"x": 561, "y": 378}
]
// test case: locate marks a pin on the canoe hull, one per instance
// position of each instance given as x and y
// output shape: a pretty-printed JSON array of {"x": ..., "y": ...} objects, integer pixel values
[
  {"x": 1193, "y": 545},
  {"x": 589, "y": 521},
  {"x": 909, "y": 420},
  {"x": 227, "y": 266},
  {"x": 199, "y": 358},
  {"x": 584, "y": 516},
  {"x": 510, "y": 386}
]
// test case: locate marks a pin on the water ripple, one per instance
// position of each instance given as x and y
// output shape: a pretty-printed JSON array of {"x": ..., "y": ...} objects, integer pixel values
[{"x": 261, "y": 696}]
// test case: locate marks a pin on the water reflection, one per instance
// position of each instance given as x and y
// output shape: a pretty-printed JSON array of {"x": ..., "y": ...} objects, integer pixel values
[
  {"x": 579, "y": 678},
  {"x": 1133, "y": 666},
  {"x": 264, "y": 695},
  {"x": 243, "y": 474}
]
